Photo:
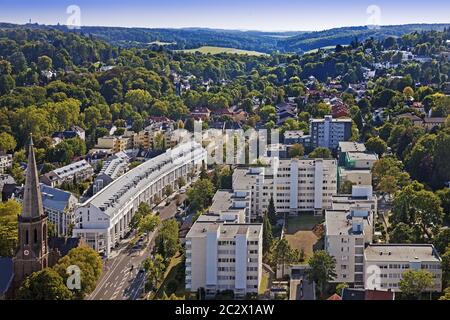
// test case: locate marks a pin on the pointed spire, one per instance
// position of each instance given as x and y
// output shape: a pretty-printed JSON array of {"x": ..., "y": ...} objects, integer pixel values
[{"x": 32, "y": 198}]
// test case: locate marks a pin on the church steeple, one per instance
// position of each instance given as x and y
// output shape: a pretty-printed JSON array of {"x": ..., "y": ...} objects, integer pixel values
[
  {"x": 32, "y": 252},
  {"x": 32, "y": 198}
]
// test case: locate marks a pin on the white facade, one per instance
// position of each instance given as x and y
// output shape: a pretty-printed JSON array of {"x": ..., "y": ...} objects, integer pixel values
[
  {"x": 296, "y": 185},
  {"x": 80, "y": 170},
  {"x": 349, "y": 226},
  {"x": 104, "y": 218},
  {"x": 6, "y": 161},
  {"x": 224, "y": 256},
  {"x": 385, "y": 264}
]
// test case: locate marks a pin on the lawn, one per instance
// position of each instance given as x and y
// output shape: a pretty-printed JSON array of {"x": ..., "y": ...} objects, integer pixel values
[
  {"x": 302, "y": 222},
  {"x": 217, "y": 50}
]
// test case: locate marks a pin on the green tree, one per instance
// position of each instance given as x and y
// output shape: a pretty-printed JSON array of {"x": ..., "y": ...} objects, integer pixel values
[
  {"x": 296, "y": 151},
  {"x": 401, "y": 233},
  {"x": 283, "y": 254},
  {"x": 9, "y": 211},
  {"x": 320, "y": 152},
  {"x": 149, "y": 223},
  {"x": 444, "y": 196},
  {"x": 139, "y": 99},
  {"x": 445, "y": 265},
  {"x": 414, "y": 283},
  {"x": 340, "y": 287},
  {"x": 322, "y": 269},
  {"x": 155, "y": 268},
  {"x": 46, "y": 284},
  {"x": 167, "y": 241},
  {"x": 91, "y": 268},
  {"x": 417, "y": 207},
  {"x": 200, "y": 194},
  {"x": 7, "y": 142},
  {"x": 442, "y": 240},
  {"x": 267, "y": 234},
  {"x": 376, "y": 145},
  {"x": 168, "y": 190},
  {"x": 446, "y": 295},
  {"x": 45, "y": 63},
  {"x": 271, "y": 212}
]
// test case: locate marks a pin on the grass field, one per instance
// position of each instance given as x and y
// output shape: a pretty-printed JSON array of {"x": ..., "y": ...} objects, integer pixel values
[
  {"x": 303, "y": 222},
  {"x": 217, "y": 50}
]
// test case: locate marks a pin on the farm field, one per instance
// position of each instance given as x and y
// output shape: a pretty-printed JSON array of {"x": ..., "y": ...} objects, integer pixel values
[{"x": 217, "y": 50}]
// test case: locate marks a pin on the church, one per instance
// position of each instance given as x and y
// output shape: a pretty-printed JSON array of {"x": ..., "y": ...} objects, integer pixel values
[{"x": 33, "y": 252}]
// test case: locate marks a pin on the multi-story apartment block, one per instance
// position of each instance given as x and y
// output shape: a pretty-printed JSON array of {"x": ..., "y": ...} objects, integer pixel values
[
  {"x": 349, "y": 227},
  {"x": 296, "y": 185},
  {"x": 223, "y": 256},
  {"x": 385, "y": 264},
  {"x": 113, "y": 167},
  {"x": 6, "y": 161},
  {"x": 328, "y": 132},
  {"x": 114, "y": 143},
  {"x": 79, "y": 171},
  {"x": 104, "y": 218}
]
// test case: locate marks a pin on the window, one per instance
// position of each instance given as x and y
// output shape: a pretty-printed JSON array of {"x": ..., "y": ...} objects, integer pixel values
[{"x": 35, "y": 237}]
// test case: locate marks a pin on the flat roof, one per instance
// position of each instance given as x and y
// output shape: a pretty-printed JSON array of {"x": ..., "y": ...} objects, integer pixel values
[
  {"x": 401, "y": 252},
  {"x": 293, "y": 134},
  {"x": 124, "y": 188},
  {"x": 227, "y": 230},
  {"x": 339, "y": 222},
  {"x": 223, "y": 201},
  {"x": 350, "y": 146},
  {"x": 362, "y": 156}
]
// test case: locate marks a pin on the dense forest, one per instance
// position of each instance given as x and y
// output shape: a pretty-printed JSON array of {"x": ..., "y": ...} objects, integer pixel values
[{"x": 267, "y": 42}]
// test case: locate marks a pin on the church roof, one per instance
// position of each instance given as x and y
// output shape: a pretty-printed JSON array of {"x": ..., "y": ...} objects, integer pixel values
[
  {"x": 6, "y": 274},
  {"x": 63, "y": 245},
  {"x": 32, "y": 199}
]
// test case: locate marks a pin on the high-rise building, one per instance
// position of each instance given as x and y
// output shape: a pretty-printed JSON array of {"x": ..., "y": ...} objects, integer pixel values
[
  {"x": 296, "y": 185},
  {"x": 328, "y": 132}
]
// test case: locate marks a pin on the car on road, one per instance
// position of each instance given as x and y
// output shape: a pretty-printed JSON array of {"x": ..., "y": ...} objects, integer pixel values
[{"x": 182, "y": 191}]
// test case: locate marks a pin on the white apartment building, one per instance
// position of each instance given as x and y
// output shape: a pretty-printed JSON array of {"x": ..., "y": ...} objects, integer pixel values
[
  {"x": 328, "y": 132},
  {"x": 104, "y": 218},
  {"x": 113, "y": 167},
  {"x": 385, "y": 264},
  {"x": 6, "y": 161},
  {"x": 296, "y": 185},
  {"x": 80, "y": 170},
  {"x": 223, "y": 256},
  {"x": 349, "y": 226}
]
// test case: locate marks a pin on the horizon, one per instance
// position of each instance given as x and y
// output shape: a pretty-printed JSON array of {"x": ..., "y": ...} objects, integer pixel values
[
  {"x": 251, "y": 15},
  {"x": 229, "y": 29}
]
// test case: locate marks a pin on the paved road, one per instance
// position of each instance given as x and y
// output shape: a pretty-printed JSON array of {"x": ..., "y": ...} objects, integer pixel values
[{"x": 119, "y": 280}]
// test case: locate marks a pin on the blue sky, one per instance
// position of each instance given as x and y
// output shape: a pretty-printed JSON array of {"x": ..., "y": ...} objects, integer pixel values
[{"x": 231, "y": 14}]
